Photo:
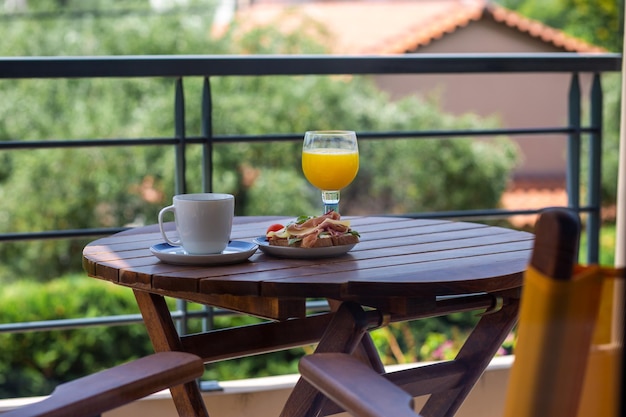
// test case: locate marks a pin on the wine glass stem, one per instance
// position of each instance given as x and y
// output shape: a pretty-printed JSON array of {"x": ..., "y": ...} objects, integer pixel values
[{"x": 331, "y": 201}]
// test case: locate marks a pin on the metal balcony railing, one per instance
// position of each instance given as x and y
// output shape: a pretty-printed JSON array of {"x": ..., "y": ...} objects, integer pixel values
[{"x": 179, "y": 68}]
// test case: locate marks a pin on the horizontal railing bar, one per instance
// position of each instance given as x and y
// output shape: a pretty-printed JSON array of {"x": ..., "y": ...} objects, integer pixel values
[
  {"x": 259, "y": 65},
  {"x": 124, "y": 319},
  {"x": 86, "y": 143},
  {"x": 477, "y": 214},
  {"x": 58, "y": 234},
  {"x": 475, "y": 132},
  {"x": 68, "y": 324},
  {"x": 407, "y": 134}
]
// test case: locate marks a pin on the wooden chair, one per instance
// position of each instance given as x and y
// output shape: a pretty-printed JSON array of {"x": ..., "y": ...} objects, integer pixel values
[
  {"x": 111, "y": 388},
  {"x": 363, "y": 392}
]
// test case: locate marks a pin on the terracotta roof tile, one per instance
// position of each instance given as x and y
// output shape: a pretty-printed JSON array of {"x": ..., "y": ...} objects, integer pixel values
[
  {"x": 400, "y": 26},
  {"x": 454, "y": 15},
  {"x": 539, "y": 30}
]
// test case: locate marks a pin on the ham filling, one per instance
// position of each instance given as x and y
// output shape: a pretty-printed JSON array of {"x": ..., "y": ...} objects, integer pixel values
[{"x": 313, "y": 229}]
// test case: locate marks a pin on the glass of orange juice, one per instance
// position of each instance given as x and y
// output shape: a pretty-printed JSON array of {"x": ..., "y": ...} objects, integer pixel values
[{"x": 330, "y": 161}]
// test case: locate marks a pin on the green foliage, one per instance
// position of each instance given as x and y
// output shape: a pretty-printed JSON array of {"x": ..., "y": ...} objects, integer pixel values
[
  {"x": 411, "y": 185},
  {"x": 34, "y": 363},
  {"x": 612, "y": 88},
  {"x": 437, "y": 338},
  {"x": 608, "y": 239},
  {"x": 275, "y": 363},
  {"x": 595, "y": 21}
]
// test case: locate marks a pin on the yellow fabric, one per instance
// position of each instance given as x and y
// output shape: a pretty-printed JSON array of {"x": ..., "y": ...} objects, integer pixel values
[
  {"x": 601, "y": 393},
  {"x": 601, "y": 389},
  {"x": 604, "y": 322},
  {"x": 556, "y": 326}
]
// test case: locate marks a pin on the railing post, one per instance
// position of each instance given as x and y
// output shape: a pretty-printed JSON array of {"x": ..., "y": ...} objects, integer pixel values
[
  {"x": 207, "y": 169},
  {"x": 595, "y": 171},
  {"x": 181, "y": 181},
  {"x": 179, "y": 132},
  {"x": 207, "y": 134},
  {"x": 208, "y": 318},
  {"x": 573, "y": 145}
]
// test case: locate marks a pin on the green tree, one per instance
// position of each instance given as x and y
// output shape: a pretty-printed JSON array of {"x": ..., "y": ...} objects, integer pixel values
[
  {"x": 595, "y": 21},
  {"x": 34, "y": 363}
]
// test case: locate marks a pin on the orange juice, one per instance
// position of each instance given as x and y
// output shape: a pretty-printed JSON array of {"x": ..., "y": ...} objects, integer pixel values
[{"x": 330, "y": 169}]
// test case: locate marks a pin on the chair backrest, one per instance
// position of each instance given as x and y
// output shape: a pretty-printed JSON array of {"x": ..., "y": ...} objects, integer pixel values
[
  {"x": 557, "y": 239},
  {"x": 558, "y": 312}
]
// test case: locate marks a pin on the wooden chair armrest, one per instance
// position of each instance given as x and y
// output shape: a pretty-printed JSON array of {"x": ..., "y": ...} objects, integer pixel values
[
  {"x": 117, "y": 386},
  {"x": 355, "y": 387}
]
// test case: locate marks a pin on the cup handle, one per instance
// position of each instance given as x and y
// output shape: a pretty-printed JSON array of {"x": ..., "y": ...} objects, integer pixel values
[{"x": 161, "y": 213}]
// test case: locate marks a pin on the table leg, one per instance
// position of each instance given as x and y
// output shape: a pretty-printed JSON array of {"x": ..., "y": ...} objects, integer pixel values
[
  {"x": 343, "y": 334},
  {"x": 366, "y": 350},
  {"x": 477, "y": 352},
  {"x": 164, "y": 337}
]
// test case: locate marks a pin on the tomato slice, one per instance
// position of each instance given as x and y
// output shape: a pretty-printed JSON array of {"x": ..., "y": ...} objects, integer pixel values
[{"x": 274, "y": 228}]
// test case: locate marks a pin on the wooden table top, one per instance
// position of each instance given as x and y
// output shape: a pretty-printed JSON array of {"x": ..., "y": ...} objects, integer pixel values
[{"x": 396, "y": 258}]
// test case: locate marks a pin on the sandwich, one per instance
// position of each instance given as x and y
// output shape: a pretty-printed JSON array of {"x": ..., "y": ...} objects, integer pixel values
[{"x": 313, "y": 232}]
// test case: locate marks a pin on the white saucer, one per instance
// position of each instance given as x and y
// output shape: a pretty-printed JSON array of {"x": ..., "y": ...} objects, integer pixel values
[
  {"x": 236, "y": 251},
  {"x": 301, "y": 253}
]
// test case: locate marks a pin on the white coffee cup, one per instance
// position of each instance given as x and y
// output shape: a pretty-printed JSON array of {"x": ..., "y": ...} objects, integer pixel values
[{"x": 203, "y": 221}]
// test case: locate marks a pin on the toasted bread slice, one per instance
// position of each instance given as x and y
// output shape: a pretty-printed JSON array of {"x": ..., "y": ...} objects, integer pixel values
[
  {"x": 282, "y": 241},
  {"x": 345, "y": 239}
]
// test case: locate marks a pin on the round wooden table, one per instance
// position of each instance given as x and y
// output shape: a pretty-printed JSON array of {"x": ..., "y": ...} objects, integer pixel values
[{"x": 402, "y": 269}]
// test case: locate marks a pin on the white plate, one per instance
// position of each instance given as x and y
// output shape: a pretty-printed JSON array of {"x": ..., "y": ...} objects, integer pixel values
[
  {"x": 236, "y": 251},
  {"x": 301, "y": 253}
]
